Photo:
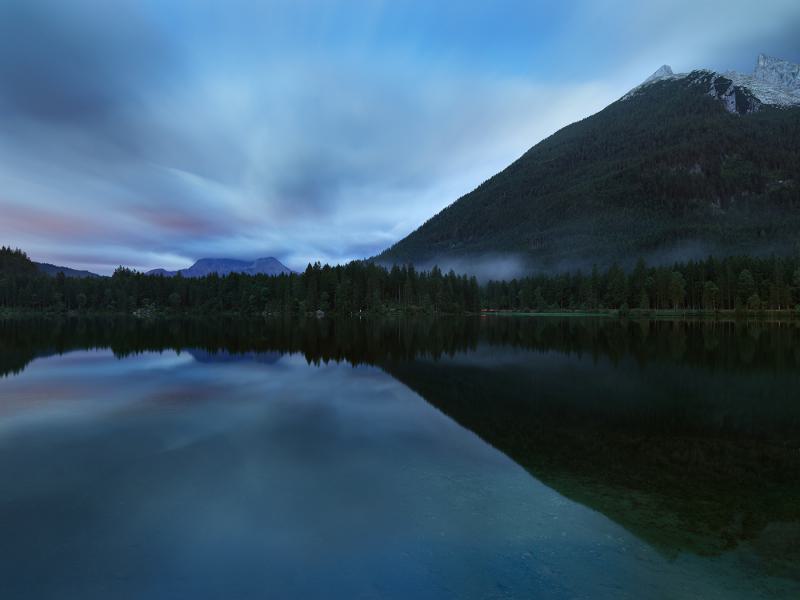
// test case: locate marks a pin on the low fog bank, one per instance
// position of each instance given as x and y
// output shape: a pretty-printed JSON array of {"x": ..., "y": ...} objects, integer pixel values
[
  {"x": 485, "y": 268},
  {"x": 497, "y": 267}
]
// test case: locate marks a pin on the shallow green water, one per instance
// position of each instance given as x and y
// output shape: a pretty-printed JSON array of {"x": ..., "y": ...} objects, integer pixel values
[{"x": 494, "y": 458}]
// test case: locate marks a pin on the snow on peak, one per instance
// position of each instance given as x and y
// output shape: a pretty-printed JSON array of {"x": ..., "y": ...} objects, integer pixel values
[
  {"x": 663, "y": 72},
  {"x": 778, "y": 72},
  {"x": 774, "y": 81}
]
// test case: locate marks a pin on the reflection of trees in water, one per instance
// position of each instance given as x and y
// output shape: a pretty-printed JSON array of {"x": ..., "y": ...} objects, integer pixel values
[
  {"x": 719, "y": 345},
  {"x": 703, "y": 343},
  {"x": 677, "y": 342},
  {"x": 711, "y": 340},
  {"x": 353, "y": 340}
]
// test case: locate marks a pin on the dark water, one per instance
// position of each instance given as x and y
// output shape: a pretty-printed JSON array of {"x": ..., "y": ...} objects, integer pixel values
[{"x": 494, "y": 458}]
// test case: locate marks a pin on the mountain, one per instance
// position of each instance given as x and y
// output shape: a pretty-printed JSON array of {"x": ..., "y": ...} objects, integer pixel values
[
  {"x": 683, "y": 166},
  {"x": 224, "y": 266},
  {"x": 54, "y": 270}
]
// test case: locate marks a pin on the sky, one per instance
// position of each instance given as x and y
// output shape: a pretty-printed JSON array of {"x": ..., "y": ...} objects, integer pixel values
[{"x": 151, "y": 133}]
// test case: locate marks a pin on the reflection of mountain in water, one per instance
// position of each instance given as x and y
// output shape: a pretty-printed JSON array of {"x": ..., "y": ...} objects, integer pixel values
[
  {"x": 683, "y": 458},
  {"x": 685, "y": 433},
  {"x": 223, "y": 356}
]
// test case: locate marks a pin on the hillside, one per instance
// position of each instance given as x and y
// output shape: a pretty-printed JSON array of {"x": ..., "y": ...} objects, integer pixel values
[
  {"x": 682, "y": 166},
  {"x": 54, "y": 270}
]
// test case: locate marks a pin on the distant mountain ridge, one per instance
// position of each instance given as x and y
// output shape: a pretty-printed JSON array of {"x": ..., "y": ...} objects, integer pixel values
[
  {"x": 54, "y": 270},
  {"x": 17, "y": 261},
  {"x": 682, "y": 166},
  {"x": 225, "y": 266}
]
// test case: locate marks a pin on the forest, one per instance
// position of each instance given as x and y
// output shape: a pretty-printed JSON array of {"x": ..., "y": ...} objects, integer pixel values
[{"x": 731, "y": 283}]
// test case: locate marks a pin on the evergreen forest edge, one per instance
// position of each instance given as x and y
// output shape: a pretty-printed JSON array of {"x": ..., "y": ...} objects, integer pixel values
[{"x": 732, "y": 284}]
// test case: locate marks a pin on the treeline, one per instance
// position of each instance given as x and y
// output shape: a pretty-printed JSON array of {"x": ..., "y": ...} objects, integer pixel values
[
  {"x": 736, "y": 283},
  {"x": 351, "y": 288}
]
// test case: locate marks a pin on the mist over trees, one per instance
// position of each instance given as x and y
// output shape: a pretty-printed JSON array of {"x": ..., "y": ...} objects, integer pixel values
[{"x": 711, "y": 284}]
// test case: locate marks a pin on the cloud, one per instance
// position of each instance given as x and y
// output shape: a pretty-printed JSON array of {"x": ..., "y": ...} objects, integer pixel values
[{"x": 155, "y": 133}]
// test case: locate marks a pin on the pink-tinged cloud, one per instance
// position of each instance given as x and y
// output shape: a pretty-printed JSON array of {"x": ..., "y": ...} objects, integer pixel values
[{"x": 46, "y": 222}]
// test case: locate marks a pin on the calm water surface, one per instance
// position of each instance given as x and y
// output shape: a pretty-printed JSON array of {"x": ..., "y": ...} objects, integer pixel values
[{"x": 505, "y": 458}]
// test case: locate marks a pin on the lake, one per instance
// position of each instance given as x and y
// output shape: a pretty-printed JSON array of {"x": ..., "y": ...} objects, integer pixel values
[{"x": 498, "y": 457}]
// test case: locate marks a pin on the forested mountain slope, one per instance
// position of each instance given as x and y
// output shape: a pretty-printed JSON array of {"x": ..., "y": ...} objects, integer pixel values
[
  {"x": 49, "y": 269},
  {"x": 681, "y": 167}
]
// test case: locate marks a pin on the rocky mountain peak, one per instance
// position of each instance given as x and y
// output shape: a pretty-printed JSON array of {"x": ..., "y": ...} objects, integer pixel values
[
  {"x": 778, "y": 72},
  {"x": 773, "y": 82},
  {"x": 663, "y": 72}
]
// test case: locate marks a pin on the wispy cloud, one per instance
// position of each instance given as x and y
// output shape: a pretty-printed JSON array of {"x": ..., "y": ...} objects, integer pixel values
[{"x": 153, "y": 133}]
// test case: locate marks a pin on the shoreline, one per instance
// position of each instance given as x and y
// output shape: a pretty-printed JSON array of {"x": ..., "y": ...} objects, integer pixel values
[
  {"x": 705, "y": 315},
  {"x": 785, "y": 315}
]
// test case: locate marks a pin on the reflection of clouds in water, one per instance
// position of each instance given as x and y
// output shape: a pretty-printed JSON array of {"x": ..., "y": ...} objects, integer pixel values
[
  {"x": 324, "y": 468},
  {"x": 82, "y": 384}
]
